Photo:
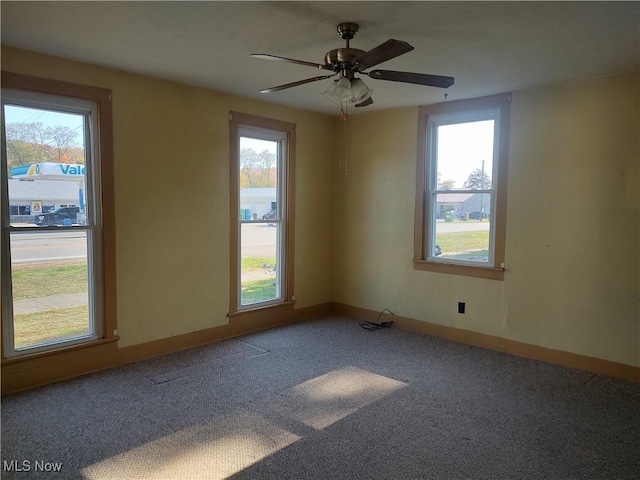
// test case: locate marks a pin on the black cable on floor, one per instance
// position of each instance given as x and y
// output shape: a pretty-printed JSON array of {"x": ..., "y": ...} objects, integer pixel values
[{"x": 376, "y": 325}]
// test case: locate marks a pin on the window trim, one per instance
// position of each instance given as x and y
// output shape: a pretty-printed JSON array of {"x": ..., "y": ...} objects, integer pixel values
[
  {"x": 421, "y": 218},
  {"x": 106, "y": 217},
  {"x": 243, "y": 121}
]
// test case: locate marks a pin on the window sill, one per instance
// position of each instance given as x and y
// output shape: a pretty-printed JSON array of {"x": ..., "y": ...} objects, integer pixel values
[
  {"x": 491, "y": 273},
  {"x": 58, "y": 351},
  {"x": 250, "y": 311}
]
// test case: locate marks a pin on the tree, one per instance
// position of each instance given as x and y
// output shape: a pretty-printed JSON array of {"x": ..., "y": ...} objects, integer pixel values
[
  {"x": 20, "y": 153},
  {"x": 73, "y": 155},
  {"x": 266, "y": 160},
  {"x": 62, "y": 138},
  {"x": 448, "y": 184},
  {"x": 32, "y": 142},
  {"x": 23, "y": 146},
  {"x": 248, "y": 162},
  {"x": 257, "y": 169},
  {"x": 478, "y": 180}
]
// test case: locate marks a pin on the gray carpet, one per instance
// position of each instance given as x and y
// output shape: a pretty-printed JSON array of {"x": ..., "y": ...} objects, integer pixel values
[{"x": 325, "y": 399}]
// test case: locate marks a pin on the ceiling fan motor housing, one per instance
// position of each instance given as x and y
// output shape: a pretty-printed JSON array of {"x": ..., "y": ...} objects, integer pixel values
[{"x": 341, "y": 58}]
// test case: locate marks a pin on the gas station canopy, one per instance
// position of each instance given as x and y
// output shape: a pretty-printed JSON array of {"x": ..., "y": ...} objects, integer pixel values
[{"x": 49, "y": 171}]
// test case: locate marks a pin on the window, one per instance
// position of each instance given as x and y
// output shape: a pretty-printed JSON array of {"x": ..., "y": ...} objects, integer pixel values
[
  {"x": 262, "y": 157},
  {"x": 461, "y": 187},
  {"x": 57, "y": 289}
]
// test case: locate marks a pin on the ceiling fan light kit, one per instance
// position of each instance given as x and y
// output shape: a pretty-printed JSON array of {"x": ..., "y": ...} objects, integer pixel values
[
  {"x": 343, "y": 90},
  {"x": 348, "y": 92},
  {"x": 347, "y": 62},
  {"x": 359, "y": 90}
]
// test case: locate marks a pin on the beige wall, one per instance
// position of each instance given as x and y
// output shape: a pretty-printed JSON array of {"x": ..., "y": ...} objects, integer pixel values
[
  {"x": 572, "y": 251},
  {"x": 170, "y": 145}
]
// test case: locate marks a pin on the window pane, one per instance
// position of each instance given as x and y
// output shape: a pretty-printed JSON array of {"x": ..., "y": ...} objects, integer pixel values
[
  {"x": 259, "y": 245},
  {"x": 259, "y": 263},
  {"x": 465, "y": 155},
  {"x": 50, "y": 287},
  {"x": 462, "y": 227},
  {"x": 45, "y": 163},
  {"x": 258, "y": 179},
  {"x": 258, "y": 162}
]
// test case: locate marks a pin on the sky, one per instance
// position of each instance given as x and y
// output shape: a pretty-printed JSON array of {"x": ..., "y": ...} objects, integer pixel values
[
  {"x": 48, "y": 118},
  {"x": 258, "y": 145},
  {"x": 458, "y": 158}
]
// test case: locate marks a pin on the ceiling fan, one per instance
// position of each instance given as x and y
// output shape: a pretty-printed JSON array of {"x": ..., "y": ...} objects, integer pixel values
[{"x": 347, "y": 62}]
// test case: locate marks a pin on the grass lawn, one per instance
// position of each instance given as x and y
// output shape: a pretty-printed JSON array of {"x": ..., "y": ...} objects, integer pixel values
[
  {"x": 255, "y": 263},
  {"x": 460, "y": 242},
  {"x": 259, "y": 290},
  {"x": 255, "y": 291},
  {"x": 50, "y": 325},
  {"x": 45, "y": 279}
]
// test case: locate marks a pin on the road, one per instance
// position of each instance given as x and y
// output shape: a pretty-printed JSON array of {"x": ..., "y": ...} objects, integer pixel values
[
  {"x": 452, "y": 227},
  {"x": 259, "y": 240},
  {"x": 48, "y": 246}
]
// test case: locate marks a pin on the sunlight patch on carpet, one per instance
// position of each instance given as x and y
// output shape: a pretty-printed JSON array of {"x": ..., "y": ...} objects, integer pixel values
[
  {"x": 324, "y": 400},
  {"x": 218, "y": 450}
]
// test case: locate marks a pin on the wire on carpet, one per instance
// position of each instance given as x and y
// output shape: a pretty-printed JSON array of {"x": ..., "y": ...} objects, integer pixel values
[{"x": 376, "y": 325}]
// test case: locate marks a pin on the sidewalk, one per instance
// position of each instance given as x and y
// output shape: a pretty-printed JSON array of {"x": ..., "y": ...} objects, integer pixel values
[{"x": 33, "y": 305}]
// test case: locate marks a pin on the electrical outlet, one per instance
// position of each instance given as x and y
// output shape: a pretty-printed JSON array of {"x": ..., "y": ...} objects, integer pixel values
[{"x": 461, "y": 307}]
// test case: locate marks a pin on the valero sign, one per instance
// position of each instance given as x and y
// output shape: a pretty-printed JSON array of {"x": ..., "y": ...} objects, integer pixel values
[
  {"x": 72, "y": 169},
  {"x": 49, "y": 171}
]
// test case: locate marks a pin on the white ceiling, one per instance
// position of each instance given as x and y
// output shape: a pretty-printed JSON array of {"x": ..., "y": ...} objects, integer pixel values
[{"x": 489, "y": 47}]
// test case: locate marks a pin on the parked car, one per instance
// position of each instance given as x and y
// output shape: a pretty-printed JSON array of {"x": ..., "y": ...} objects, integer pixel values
[
  {"x": 272, "y": 215},
  {"x": 478, "y": 215},
  {"x": 59, "y": 216}
]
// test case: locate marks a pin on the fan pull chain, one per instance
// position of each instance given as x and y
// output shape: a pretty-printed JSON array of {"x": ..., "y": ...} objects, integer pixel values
[{"x": 342, "y": 127}]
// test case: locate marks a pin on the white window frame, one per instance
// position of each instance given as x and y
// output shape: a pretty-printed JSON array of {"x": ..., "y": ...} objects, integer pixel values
[
  {"x": 92, "y": 227},
  {"x": 497, "y": 108},
  {"x": 433, "y": 123},
  {"x": 280, "y": 138},
  {"x": 243, "y": 124}
]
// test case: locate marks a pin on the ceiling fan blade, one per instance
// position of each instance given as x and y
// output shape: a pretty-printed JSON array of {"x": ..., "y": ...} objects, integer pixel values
[
  {"x": 364, "y": 103},
  {"x": 383, "y": 52},
  {"x": 294, "y": 84},
  {"x": 408, "y": 77},
  {"x": 266, "y": 56}
]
